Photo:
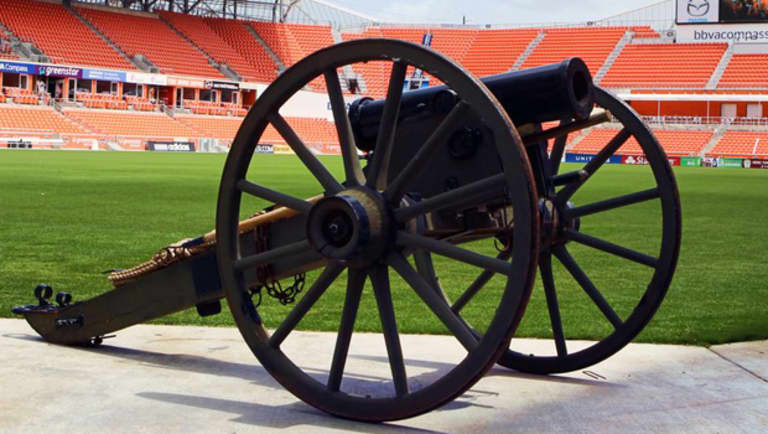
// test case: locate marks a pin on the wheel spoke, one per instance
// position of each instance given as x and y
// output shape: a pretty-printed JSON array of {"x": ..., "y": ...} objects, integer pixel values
[
  {"x": 398, "y": 187},
  {"x": 467, "y": 194},
  {"x": 276, "y": 197},
  {"x": 426, "y": 268},
  {"x": 545, "y": 266},
  {"x": 355, "y": 283},
  {"x": 436, "y": 303},
  {"x": 611, "y": 248},
  {"x": 476, "y": 286},
  {"x": 594, "y": 164},
  {"x": 314, "y": 165},
  {"x": 271, "y": 256},
  {"x": 558, "y": 149},
  {"x": 352, "y": 169},
  {"x": 454, "y": 252},
  {"x": 613, "y": 203},
  {"x": 322, "y": 283},
  {"x": 378, "y": 172},
  {"x": 570, "y": 264},
  {"x": 380, "y": 280}
]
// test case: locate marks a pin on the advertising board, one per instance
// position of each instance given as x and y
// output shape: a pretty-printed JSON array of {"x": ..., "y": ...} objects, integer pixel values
[
  {"x": 721, "y": 11},
  {"x": 170, "y": 146}
]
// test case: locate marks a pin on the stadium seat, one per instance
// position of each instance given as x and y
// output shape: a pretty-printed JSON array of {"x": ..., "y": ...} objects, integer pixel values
[
  {"x": 133, "y": 124},
  {"x": 664, "y": 66},
  {"x": 165, "y": 48},
  {"x": 674, "y": 142},
  {"x": 746, "y": 71},
  {"x": 68, "y": 41},
  {"x": 741, "y": 144},
  {"x": 592, "y": 44},
  {"x": 236, "y": 35}
]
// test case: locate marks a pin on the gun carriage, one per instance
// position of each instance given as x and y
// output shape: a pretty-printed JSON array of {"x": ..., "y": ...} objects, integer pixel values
[{"x": 459, "y": 174}]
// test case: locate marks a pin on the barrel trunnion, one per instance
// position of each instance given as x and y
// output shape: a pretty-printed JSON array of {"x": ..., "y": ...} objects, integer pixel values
[{"x": 448, "y": 176}]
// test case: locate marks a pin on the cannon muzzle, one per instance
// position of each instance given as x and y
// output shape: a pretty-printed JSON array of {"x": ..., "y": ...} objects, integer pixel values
[{"x": 546, "y": 93}]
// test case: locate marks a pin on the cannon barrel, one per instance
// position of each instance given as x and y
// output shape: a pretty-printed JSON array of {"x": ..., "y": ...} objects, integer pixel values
[{"x": 546, "y": 93}]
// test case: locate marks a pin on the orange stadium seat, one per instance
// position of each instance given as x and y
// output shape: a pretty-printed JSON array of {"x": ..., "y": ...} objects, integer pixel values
[
  {"x": 293, "y": 42},
  {"x": 592, "y": 44},
  {"x": 674, "y": 142},
  {"x": 496, "y": 51},
  {"x": 237, "y": 36},
  {"x": 664, "y": 65},
  {"x": 209, "y": 41},
  {"x": 68, "y": 41},
  {"x": 136, "y": 124},
  {"x": 741, "y": 144},
  {"x": 746, "y": 71},
  {"x": 165, "y": 48},
  {"x": 36, "y": 119}
]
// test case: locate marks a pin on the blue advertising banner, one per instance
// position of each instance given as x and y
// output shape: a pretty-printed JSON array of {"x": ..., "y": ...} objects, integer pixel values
[
  {"x": 586, "y": 158},
  {"x": 100, "y": 74},
  {"x": 18, "y": 68}
]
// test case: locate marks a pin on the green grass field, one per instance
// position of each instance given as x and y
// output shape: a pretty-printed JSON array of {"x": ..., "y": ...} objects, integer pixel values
[{"x": 65, "y": 217}]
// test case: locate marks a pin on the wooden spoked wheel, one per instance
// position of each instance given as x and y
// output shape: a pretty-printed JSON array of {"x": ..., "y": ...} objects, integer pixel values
[
  {"x": 622, "y": 304},
  {"x": 364, "y": 226}
]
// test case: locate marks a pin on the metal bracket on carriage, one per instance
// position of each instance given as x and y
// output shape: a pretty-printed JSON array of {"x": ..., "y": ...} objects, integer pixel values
[{"x": 43, "y": 293}]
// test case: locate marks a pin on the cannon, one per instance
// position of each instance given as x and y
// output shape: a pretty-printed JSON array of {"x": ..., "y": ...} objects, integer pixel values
[{"x": 431, "y": 185}]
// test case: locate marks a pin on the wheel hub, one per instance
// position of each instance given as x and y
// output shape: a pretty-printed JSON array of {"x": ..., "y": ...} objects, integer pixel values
[
  {"x": 351, "y": 226},
  {"x": 554, "y": 222}
]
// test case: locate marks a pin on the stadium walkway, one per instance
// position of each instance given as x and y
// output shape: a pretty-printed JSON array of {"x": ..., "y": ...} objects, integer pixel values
[{"x": 194, "y": 379}]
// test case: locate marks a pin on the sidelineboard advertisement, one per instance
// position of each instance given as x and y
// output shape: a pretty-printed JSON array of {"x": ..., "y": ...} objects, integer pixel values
[{"x": 170, "y": 146}]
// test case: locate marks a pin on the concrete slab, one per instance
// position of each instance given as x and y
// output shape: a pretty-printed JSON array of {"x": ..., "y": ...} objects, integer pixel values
[
  {"x": 752, "y": 356},
  {"x": 195, "y": 379}
]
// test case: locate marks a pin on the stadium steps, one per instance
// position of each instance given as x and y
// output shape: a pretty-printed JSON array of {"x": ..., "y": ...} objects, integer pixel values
[
  {"x": 103, "y": 37},
  {"x": 23, "y": 50},
  {"x": 347, "y": 71},
  {"x": 528, "y": 50},
  {"x": 221, "y": 67},
  {"x": 716, "y": 137},
  {"x": 279, "y": 63},
  {"x": 721, "y": 67},
  {"x": 613, "y": 56}
]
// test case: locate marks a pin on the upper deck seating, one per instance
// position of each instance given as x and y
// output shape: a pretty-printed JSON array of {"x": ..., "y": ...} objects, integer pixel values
[
  {"x": 664, "y": 65},
  {"x": 59, "y": 34},
  {"x": 592, "y": 44},
  {"x": 237, "y": 36},
  {"x": 155, "y": 40},
  {"x": 746, "y": 71}
]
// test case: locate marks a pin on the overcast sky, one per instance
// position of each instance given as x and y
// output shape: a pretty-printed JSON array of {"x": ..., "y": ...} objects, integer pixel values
[{"x": 491, "y": 12}]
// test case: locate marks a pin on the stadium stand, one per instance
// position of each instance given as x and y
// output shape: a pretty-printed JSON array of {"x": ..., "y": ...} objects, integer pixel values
[
  {"x": 644, "y": 32},
  {"x": 496, "y": 51},
  {"x": 136, "y": 124},
  {"x": 19, "y": 96},
  {"x": 36, "y": 119},
  {"x": 237, "y": 36},
  {"x": 592, "y": 44},
  {"x": 746, "y": 71},
  {"x": 217, "y": 127},
  {"x": 293, "y": 42},
  {"x": 209, "y": 41},
  {"x": 741, "y": 144},
  {"x": 664, "y": 65},
  {"x": 68, "y": 41},
  {"x": 675, "y": 142},
  {"x": 165, "y": 49}
]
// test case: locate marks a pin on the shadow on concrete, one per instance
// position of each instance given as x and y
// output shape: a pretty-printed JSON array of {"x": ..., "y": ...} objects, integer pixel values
[{"x": 291, "y": 415}]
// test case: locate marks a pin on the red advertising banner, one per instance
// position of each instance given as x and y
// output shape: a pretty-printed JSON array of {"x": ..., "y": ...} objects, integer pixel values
[
  {"x": 755, "y": 164},
  {"x": 634, "y": 160}
]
